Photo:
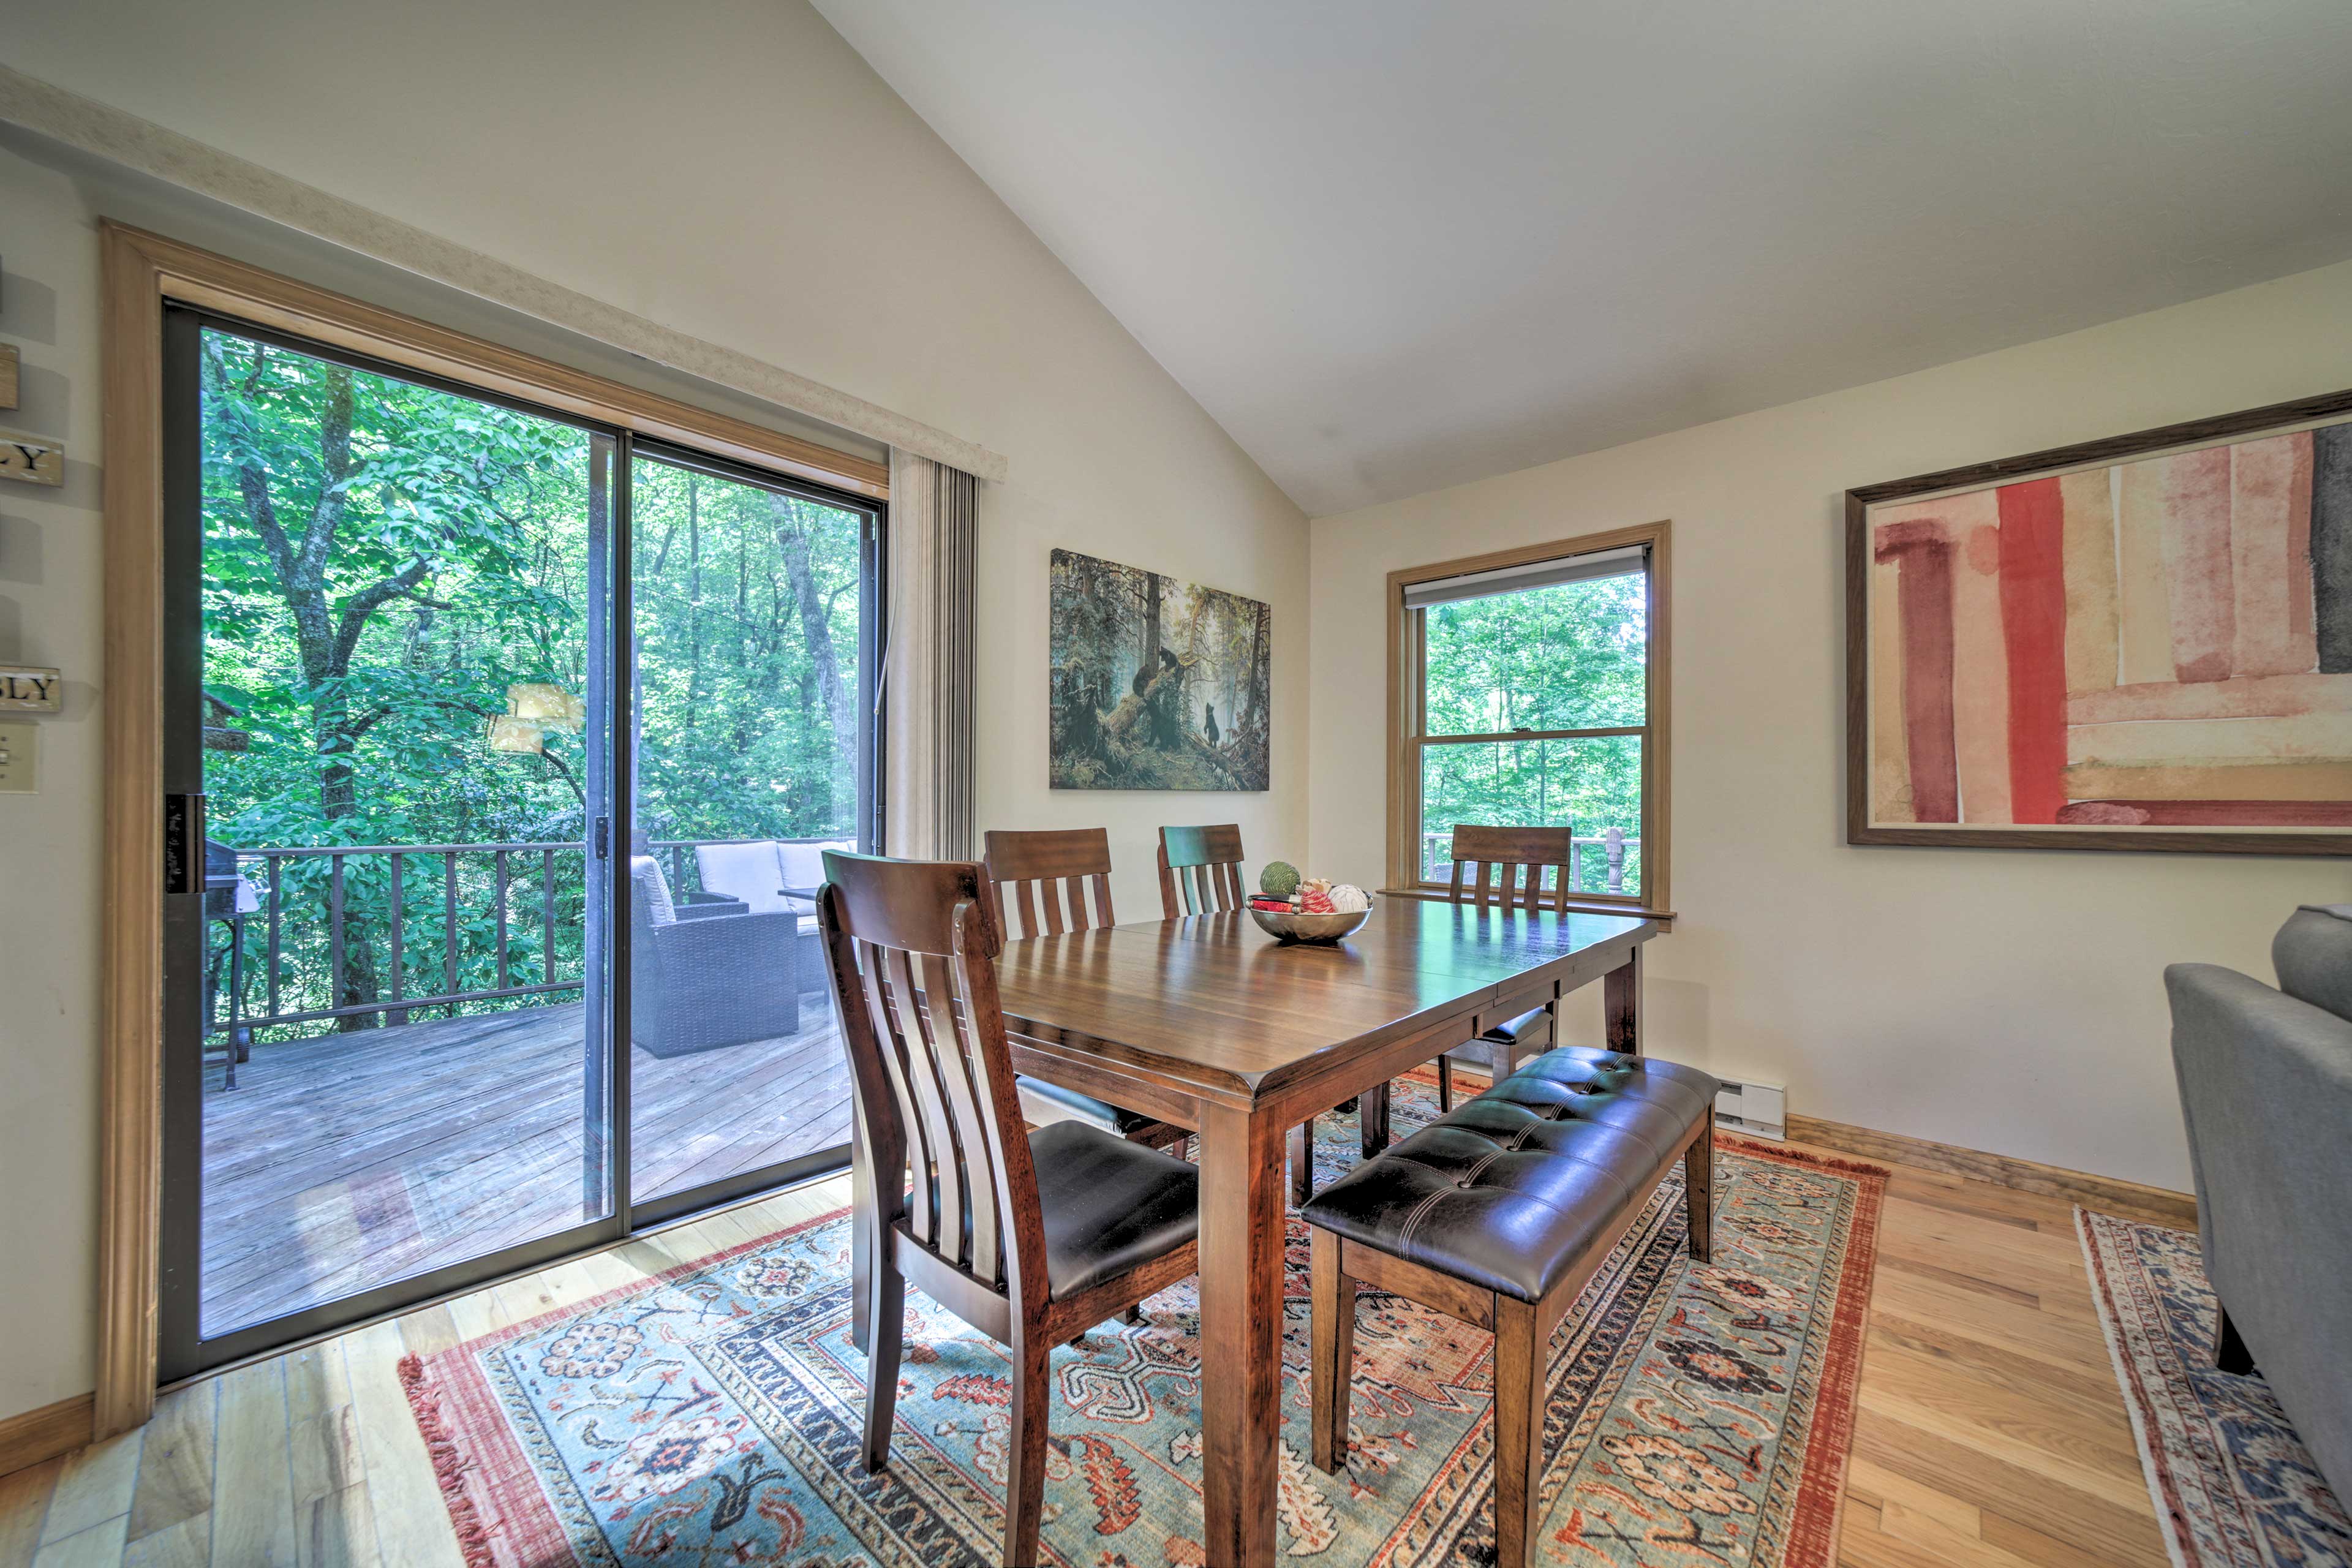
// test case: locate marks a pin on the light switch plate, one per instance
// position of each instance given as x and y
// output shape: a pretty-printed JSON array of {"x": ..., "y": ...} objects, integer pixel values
[{"x": 18, "y": 744}]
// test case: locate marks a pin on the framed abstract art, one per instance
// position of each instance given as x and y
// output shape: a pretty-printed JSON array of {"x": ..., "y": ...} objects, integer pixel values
[{"x": 2141, "y": 643}]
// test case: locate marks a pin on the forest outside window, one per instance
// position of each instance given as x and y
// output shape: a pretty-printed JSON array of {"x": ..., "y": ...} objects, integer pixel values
[{"x": 1531, "y": 694}]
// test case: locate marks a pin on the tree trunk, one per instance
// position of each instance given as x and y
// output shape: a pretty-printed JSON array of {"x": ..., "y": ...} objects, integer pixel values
[
  {"x": 1151, "y": 625},
  {"x": 816, "y": 624},
  {"x": 325, "y": 642}
]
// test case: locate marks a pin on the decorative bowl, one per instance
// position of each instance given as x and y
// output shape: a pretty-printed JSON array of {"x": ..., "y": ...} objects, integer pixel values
[{"x": 1322, "y": 930}]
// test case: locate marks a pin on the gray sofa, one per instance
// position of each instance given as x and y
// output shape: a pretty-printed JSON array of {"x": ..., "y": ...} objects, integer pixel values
[{"x": 2266, "y": 1091}]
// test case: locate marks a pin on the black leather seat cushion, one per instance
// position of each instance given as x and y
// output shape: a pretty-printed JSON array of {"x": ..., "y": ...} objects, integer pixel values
[
  {"x": 1110, "y": 1206},
  {"x": 1508, "y": 1190},
  {"x": 1527, "y": 1027},
  {"x": 1042, "y": 1103}
]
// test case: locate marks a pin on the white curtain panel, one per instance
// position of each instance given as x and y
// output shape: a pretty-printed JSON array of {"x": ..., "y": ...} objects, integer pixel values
[{"x": 927, "y": 661}]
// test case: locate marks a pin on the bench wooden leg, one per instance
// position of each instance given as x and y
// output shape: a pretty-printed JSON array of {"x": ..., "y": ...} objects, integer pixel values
[
  {"x": 1332, "y": 1370},
  {"x": 1698, "y": 1190},
  {"x": 1519, "y": 1346},
  {"x": 1302, "y": 1162}
]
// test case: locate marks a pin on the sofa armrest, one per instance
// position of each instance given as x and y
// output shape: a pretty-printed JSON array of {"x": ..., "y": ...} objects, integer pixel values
[
  {"x": 729, "y": 937},
  {"x": 708, "y": 906},
  {"x": 2266, "y": 1093}
]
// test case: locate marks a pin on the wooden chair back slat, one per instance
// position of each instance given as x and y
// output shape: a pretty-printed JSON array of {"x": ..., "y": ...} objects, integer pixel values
[
  {"x": 911, "y": 946},
  {"x": 1044, "y": 876},
  {"x": 1200, "y": 870},
  {"x": 1508, "y": 851},
  {"x": 880, "y": 1010},
  {"x": 945, "y": 1187}
]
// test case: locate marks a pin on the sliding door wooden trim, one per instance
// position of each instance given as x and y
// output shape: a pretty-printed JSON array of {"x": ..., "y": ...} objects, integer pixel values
[
  {"x": 130, "y": 1075},
  {"x": 141, "y": 272},
  {"x": 199, "y": 278}
]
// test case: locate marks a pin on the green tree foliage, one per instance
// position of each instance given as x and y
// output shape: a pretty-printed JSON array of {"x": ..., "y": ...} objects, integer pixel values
[
  {"x": 747, "y": 607},
  {"x": 383, "y": 562},
  {"x": 1569, "y": 657}
]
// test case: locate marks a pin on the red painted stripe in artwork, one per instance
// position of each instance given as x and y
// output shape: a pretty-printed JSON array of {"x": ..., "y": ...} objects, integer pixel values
[
  {"x": 2034, "y": 631},
  {"x": 1923, "y": 598},
  {"x": 2209, "y": 813}
]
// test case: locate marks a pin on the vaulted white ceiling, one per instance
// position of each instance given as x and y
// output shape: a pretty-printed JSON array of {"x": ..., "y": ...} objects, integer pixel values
[{"x": 1394, "y": 246}]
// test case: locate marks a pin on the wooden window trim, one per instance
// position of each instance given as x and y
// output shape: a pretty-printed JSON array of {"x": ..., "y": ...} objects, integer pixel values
[
  {"x": 1407, "y": 685},
  {"x": 141, "y": 271}
]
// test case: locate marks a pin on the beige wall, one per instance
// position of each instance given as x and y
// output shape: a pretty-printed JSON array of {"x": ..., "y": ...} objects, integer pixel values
[
  {"x": 49, "y": 842},
  {"x": 748, "y": 180},
  {"x": 2008, "y": 1001}
]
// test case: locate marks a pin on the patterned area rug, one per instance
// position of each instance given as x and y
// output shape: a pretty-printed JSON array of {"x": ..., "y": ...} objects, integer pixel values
[
  {"x": 1697, "y": 1414},
  {"x": 2234, "y": 1487}
]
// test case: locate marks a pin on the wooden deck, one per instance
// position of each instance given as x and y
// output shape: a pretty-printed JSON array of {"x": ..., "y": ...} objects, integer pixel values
[{"x": 350, "y": 1161}]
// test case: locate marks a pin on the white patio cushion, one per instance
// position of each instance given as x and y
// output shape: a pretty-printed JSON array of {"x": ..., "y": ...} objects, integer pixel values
[
  {"x": 653, "y": 888},
  {"x": 804, "y": 866},
  {"x": 747, "y": 872}
]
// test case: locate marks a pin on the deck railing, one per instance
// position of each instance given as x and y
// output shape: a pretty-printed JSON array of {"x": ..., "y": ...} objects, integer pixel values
[
  {"x": 491, "y": 923},
  {"x": 1616, "y": 849}
]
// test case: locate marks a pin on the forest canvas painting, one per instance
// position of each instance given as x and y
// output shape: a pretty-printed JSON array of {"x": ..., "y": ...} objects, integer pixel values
[
  {"x": 1156, "y": 683},
  {"x": 2159, "y": 645}
]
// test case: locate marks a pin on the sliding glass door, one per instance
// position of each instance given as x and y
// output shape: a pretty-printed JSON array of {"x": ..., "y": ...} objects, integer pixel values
[
  {"x": 415, "y": 633},
  {"x": 750, "y": 602}
]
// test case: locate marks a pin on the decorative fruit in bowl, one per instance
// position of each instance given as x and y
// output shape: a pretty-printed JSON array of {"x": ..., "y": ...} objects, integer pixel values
[{"x": 1293, "y": 909}]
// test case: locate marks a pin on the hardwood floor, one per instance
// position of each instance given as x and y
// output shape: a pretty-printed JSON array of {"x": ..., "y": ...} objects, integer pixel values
[
  {"x": 1990, "y": 1428},
  {"x": 350, "y": 1161}
]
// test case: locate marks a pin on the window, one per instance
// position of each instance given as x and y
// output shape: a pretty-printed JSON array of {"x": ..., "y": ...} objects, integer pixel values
[{"x": 1529, "y": 691}]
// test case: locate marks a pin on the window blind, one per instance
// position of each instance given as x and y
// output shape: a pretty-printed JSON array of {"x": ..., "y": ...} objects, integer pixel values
[{"x": 1621, "y": 562}]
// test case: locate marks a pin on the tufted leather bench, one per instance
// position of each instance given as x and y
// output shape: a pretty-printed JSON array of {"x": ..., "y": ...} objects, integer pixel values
[{"x": 1497, "y": 1214}]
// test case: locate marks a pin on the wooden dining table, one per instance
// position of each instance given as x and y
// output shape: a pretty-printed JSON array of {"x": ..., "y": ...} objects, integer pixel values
[{"x": 1209, "y": 1023}]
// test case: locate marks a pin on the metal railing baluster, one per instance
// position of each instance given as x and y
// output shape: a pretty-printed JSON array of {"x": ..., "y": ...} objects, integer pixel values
[
  {"x": 500, "y": 861},
  {"x": 335, "y": 928},
  {"x": 547, "y": 914},
  {"x": 449, "y": 925},
  {"x": 277, "y": 893},
  {"x": 399, "y": 988}
]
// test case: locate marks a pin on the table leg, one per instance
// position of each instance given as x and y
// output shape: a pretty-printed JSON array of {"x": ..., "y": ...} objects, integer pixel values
[
  {"x": 1241, "y": 1314},
  {"x": 1621, "y": 1005},
  {"x": 1373, "y": 1111}
]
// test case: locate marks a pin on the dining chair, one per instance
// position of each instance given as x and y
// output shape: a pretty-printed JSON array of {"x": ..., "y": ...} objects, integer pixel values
[
  {"x": 1044, "y": 878},
  {"x": 1200, "y": 870},
  {"x": 1201, "y": 874},
  {"x": 1501, "y": 855},
  {"x": 1033, "y": 1238}
]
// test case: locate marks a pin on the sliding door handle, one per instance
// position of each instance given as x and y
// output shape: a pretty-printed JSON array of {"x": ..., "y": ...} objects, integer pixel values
[{"x": 183, "y": 844}]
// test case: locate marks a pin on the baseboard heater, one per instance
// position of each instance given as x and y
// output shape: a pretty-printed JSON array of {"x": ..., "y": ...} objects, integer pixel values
[{"x": 1759, "y": 1110}]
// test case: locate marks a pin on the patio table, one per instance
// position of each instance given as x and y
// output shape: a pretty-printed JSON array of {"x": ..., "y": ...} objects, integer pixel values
[{"x": 1208, "y": 1022}]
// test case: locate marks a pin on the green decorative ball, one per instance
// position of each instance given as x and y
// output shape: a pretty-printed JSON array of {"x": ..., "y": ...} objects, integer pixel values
[{"x": 1279, "y": 879}]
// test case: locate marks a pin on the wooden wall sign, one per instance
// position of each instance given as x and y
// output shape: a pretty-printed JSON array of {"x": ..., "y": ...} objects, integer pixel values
[
  {"x": 7, "y": 376},
  {"x": 30, "y": 687},
  {"x": 31, "y": 460}
]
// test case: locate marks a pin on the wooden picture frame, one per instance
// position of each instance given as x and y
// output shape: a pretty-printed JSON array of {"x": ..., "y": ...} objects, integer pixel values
[{"x": 2065, "y": 741}]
